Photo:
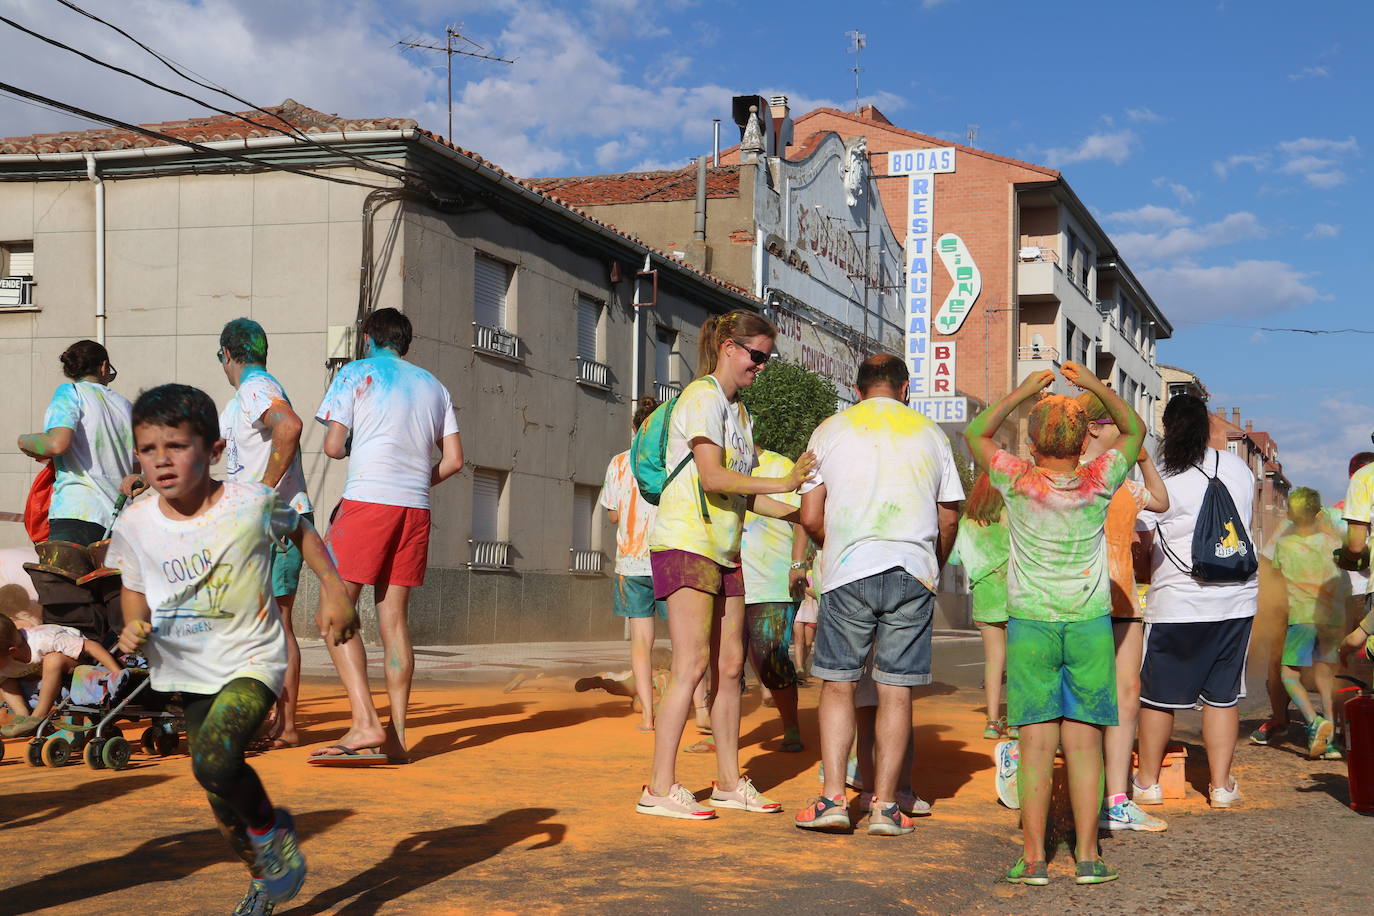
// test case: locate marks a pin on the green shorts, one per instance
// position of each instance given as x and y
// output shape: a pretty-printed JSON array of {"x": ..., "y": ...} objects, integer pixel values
[
  {"x": 1305, "y": 643},
  {"x": 990, "y": 600},
  {"x": 286, "y": 564},
  {"x": 634, "y": 597},
  {"x": 1061, "y": 670}
]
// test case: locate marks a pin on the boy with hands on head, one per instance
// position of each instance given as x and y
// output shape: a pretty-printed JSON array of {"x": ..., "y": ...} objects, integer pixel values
[
  {"x": 1061, "y": 678},
  {"x": 196, "y": 558}
]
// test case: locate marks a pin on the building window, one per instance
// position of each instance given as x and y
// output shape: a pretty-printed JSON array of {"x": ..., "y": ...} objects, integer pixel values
[
  {"x": 16, "y": 274},
  {"x": 491, "y": 319},
  {"x": 490, "y": 547},
  {"x": 587, "y": 558},
  {"x": 591, "y": 370},
  {"x": 666, "y": 382}
]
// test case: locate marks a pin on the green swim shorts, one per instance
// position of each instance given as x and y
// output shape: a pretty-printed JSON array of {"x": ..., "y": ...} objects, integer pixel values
[{"x": 1061, "y": 670}]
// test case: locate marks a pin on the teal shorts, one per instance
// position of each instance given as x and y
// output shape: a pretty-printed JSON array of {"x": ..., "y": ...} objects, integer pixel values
[
  {"x": 1305, "y": 643},
  {"x": 286, "y": 564},
  {"x": 1061, "y": 670},
  {"x": 634, "y": 597}
]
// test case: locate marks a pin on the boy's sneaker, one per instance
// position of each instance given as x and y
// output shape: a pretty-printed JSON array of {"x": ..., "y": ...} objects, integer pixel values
[
  {"x": 851, "y": 774},
  {"x": 1128, "y": 816},
  {"x": 1147, "y": 795},
  {"x": 679, "y": 803},
  {"x": 744, "y": 797},
  {"x": 1333, "y": 752},
  {"x": 1268, "y": 730},
  {"x": 995, "y": 730},
  {"x": 824, "y": 814},
  {"x": 1222, "y": 797},
  {"x": 278, "y": 860},
  {"x": 888, "y": 821},
  {"x": 1023, "y": 872},
  {"x": 255, "y": 902},
  {"x": 1319, "y": 732},
  {"x": 1007, "y": 756},
  {"x": 1095, "y": 872}
]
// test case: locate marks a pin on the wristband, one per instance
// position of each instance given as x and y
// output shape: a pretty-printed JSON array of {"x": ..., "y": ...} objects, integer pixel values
[{"x": 797, "y": 566}]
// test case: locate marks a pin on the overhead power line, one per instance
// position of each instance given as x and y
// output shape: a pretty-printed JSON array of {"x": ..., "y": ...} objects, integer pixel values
[{"x": 1312, "y": 331}]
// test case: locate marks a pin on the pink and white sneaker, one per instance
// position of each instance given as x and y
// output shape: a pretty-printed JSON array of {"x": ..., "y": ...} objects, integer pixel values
[
  {"x": 744, "y": 797},
  {"x": 679, "y": 803}
]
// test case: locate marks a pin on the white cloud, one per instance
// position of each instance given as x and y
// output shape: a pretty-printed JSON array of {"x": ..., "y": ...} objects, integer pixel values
[
  {"x": 1224, "y": 167},
  {"x": 1326, "y": 180},
  {"x": 1307, "y": 73},
  {"x": 931, "y": 4},
  {"x": 1244, "y": 288},
  {"x": 1317, "y": 159},
  {"x": 1150, "y": 215},
  {"x": 1143, "y": 116},
  {"x": 1316, "y": 442},
  {"x": 1114, "y": 146},
  {"x": 1185, "y": 194},
  {"x": 1324, "y": 231},
  {"x": 1149, "y": 247}
]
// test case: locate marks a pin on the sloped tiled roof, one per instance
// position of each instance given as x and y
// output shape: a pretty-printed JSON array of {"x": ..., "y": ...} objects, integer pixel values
[
  {"x": 640, "y": 187},
  {"x": 200, "y": 130}
]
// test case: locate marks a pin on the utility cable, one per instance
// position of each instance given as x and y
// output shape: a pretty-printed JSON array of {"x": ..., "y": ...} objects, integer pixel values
[{"x": 1311, "y": 331}]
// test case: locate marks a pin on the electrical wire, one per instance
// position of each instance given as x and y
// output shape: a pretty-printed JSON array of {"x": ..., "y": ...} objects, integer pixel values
[
  {"x": 1311, "y": 331},
  {"x": 291, "y": 130},
  {"x": 178, "y": 141}
]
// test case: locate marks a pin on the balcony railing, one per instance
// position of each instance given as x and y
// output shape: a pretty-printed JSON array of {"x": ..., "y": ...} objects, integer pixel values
[
  {"x": 666, "y": 391},
  {"x": 489, "y": 554},
  {"x": 590, "y": 372},
  {"x": 1033, "y": 253},
  {"x": 16, "y": 292},
  {"x": 587, "y": 562},
  {"x": 496, "y": 341},
  {"x": 1051, "y": 353}
]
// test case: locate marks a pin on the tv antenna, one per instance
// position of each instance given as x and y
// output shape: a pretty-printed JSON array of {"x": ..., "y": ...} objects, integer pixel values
[
  {"x": 972, "y": 134},
  {"x": 450, "y": 33},
  {"x": 857, "y": 42}
]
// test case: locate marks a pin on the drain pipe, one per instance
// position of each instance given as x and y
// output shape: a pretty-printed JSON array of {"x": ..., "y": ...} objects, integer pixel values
[{"x": 94, "y": 176}]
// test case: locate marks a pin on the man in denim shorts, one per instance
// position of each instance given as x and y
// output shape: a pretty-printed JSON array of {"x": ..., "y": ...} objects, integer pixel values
[{"x": 884, "y": 504}]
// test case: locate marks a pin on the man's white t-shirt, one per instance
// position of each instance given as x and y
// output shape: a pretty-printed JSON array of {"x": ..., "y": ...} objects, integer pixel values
[
  {"x": 1175, "y": 596},
  {"x": 208, "y": 581},
  {"x": 884, "y": 467},
  {"x": 398, "y": 414},
  {"x": 101, "y": 454},
  {"x": 248, "y": 440}
]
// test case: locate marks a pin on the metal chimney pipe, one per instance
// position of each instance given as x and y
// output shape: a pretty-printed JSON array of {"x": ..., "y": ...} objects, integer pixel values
[
  {"x": 699, "y": 231},
  {"x": 715, "y": 125}
]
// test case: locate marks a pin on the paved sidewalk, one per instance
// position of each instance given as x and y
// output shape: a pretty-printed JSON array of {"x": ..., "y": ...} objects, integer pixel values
[{"x": 499, "y": 662}]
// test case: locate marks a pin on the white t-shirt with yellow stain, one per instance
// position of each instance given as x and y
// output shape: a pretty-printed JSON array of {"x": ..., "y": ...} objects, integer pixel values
[
  {"x": 766, "y": 549},
  {"x": 702, "y": 412}
]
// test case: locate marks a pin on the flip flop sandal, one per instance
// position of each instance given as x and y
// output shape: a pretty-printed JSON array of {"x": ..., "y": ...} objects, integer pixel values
[
  {"x": 706, "y": 745},
  {"x": 349, "y": 757}
]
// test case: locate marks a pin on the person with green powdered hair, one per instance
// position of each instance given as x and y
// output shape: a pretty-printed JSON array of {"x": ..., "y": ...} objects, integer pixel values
[{"x": 1061, "y": 664}]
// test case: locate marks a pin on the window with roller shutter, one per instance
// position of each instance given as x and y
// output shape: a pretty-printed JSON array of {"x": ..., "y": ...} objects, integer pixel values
[
  {"x": 486, "y": 505},
  {"x": 490, "y": 289},
  {"x": 588, "y": 324}
]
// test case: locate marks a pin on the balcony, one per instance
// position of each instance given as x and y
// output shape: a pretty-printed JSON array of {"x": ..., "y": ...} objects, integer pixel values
[
  {"x": 593, "y": 374},
  {"x": 666, "y": 391},
  {"x": 489, "y": 555},
  {"x": 1030, "y": 360},
  {"x": 496, "y": 342},
  {"x": 587, "y": 562},
  {"x": 1046, "y": 279}
]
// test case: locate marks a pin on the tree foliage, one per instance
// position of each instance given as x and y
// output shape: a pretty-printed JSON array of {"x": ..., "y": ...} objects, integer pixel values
[{"x": 787, "y": 402}]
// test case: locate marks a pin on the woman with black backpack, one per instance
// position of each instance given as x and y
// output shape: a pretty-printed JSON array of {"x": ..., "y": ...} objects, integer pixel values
[{"x": 1202, "y": 601}]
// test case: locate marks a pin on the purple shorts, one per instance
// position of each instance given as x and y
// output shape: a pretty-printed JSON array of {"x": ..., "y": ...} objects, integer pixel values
[{"x": 675, "y": 569}]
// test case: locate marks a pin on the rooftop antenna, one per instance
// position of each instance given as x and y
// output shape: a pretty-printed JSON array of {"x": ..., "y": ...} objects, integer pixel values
[
  {"x": 857, "y": 42},
  {"x": 972, "y": 134},
  {"x": 450, "y": 33}
]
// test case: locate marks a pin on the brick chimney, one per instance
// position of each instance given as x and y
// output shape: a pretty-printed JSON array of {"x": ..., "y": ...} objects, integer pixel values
[
  {"x": 1235, "y": 416},
  {"x": 1249, "y": 426},
  {"x": 782, "y": 124}
]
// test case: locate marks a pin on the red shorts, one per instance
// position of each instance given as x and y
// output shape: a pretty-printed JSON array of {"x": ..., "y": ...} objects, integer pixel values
[
  {"x": 675, "y": 569},
  {"x": 373, "y": 544}
]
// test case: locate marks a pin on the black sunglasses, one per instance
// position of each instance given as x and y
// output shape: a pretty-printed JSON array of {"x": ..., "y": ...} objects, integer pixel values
[{"x": 757, "y": 357}]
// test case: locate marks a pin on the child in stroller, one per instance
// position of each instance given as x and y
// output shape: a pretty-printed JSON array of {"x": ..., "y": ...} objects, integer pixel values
[{"x": 47, "y": 653}]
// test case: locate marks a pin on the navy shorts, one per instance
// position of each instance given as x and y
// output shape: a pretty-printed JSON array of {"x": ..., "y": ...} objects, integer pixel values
[
  {"x": 892, "y": 609},
  {"x": 1190, "y": 664}
]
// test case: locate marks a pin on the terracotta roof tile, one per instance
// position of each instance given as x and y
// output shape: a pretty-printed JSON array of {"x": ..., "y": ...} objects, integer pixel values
[
  {"x": 640, "y": 187},
  {"x": 199, "y": 130}
]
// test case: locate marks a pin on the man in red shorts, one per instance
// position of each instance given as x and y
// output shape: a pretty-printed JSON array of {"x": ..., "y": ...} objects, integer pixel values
[{"x": 387, "y": 416}]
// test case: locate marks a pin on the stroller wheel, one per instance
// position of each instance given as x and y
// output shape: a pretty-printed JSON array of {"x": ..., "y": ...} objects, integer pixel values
[
  {"x": 92, "y": 754},
  {"x": 115, "y": 754},
  {"x": 33, "y": 752},
  {"x": 56, "y": 751},
  {"x": 149, "y": 740},
  {"x": 166, "y": 743}
]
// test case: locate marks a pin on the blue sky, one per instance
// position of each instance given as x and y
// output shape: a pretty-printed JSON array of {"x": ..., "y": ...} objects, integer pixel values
[{"x": 1224, "y": 145}]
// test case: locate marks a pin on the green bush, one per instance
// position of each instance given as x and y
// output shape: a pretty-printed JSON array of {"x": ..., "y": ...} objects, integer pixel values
[{"x": 787, "y": 403}]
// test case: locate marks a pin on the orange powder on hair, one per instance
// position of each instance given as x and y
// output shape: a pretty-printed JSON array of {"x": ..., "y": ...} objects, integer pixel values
[{"x": 1058, "y": 426}]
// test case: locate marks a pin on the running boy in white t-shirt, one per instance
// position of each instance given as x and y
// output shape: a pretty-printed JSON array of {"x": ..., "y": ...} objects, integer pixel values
[
  {"x": 196, "y": 558},
  {"x": 388, "y": 417},
  {"x": 262, "y": 441}
]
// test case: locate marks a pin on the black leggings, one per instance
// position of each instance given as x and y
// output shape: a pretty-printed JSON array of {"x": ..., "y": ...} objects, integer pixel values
[{"x": 219, "y": 725}]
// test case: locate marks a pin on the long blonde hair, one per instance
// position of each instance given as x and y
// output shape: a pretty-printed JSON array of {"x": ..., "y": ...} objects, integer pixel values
[{"x": 736, "y": 325}]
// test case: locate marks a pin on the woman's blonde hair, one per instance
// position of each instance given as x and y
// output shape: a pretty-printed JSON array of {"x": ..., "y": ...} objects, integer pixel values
[{"x": 737, "y": 325}]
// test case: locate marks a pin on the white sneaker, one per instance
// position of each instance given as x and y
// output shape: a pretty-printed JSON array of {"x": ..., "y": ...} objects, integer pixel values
[
  {"x": 679, "y": 803},
  {"x": 1147, "y": 795},
  {"x": 1007, "y": 756},
  {"x": 744, "y": 797},
  {"x": 1222, "y": 797}
]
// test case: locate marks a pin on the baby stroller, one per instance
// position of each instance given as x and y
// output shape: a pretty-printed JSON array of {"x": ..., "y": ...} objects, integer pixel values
[{"x": 102, "y": 701}]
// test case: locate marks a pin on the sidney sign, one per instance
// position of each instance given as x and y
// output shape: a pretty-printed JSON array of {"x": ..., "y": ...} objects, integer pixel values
[{"x": 963, "y": 291}]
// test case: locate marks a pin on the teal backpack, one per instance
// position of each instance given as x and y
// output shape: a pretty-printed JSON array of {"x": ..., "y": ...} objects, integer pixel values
[{"x": 649, "y": 457}]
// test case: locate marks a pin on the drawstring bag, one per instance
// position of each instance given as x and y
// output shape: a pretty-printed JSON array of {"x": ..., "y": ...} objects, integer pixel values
[
  {"x": 37, "y": 505},
  {"x": 1222, "y": 549}
]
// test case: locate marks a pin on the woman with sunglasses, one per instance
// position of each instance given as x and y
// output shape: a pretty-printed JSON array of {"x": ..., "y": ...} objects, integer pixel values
[
  {"x": 89, "y": 439},
  {"x": 695, "y": 559}
]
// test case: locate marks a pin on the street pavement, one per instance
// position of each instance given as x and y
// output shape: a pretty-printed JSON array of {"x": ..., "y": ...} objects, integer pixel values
[{"x": 523, "y": 801}]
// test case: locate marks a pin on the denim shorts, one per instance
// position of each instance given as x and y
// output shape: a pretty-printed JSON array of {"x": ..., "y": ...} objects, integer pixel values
[{"x": 893, "y": 610}]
